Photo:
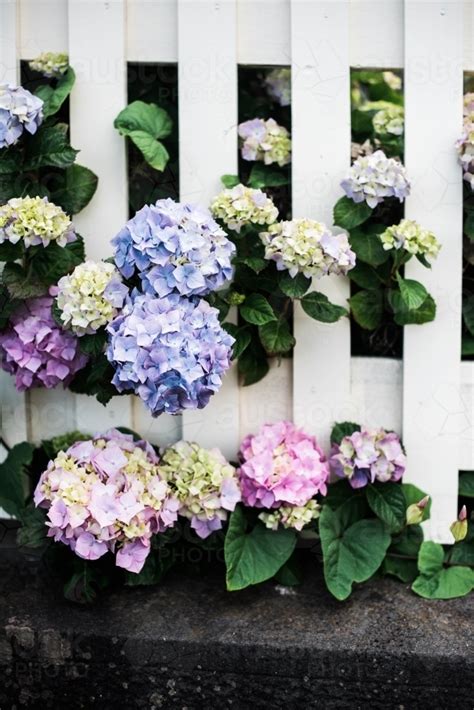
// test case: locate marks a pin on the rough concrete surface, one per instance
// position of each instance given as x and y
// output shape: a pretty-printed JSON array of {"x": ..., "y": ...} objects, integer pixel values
[{"x": 190, "y": 645}]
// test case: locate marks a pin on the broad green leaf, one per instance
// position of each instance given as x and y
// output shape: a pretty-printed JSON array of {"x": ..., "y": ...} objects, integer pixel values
[
  {"x": 20, "y": 284},
  {"x": 291, "y": 574},
  {"x": 256, "y": 263},
  {"x": 438, "y": 582},
  {"x": 242, "y": 338},
  {"x": 252, "y": 557},
  {"x": 352, "y": 553},
  {"x": 413, "y": 495},
  {"x": 463, "y": 552},
  {"x": 256, "y": 310},
  {"x": 50, "y": 147},
  {"x": 253, "y": 363},
  {"x": 405, "y": 546},
  {"x": 276, "y": 336},
  {"x": 95, "y": 379},
  {"x": 412, "y": 292},
  {"x": 294, "y": 287},
  {"x": 403, "y": 316},
  {"x": 318, "y": 306},
  {"x": 141, "y": 116},
  {"x": 341, "y": 491},
  {"x": 54, "y": 98},
  {"x": 468, "y": 313},
  {"x": 368, "y": 247},
  {"x": 12, "y": 478},
  {"x": 404, "y": 570},
  {"x": 388, "y": 503},
  {"x": 152, "y": 150},
  {"x": 51, "y": 262},
  {"x": 10, "y": 161},
  {"x": 466, "y": 483},
  {"x": 230, "y": 181},
  {"x": 348, "y": 214},
  {"x": 11, "y": 252},
  {"x": 263, "y": 176},
  {"x": 32, "y": 532},
  {"x": 367, "y": 308},
  {"x": 79, "y": 186},
  {"x": 342, "y": 429},
  {"x": 93, "y": 344},
  {"x": 467, "y": 345},
  {"x": 365, "y": 276}
]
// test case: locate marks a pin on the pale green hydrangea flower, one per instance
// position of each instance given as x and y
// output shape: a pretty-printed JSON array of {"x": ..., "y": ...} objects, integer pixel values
[
  {"x": 242, "y": 205},
  {"x": 265, "y": 141},
  {"x": 308, "y": 247},
  {"x": 278, "y": 83},
  {"x": 389, "y": 120},
  {"x": 291, "y": 516},
  {"x": 410, "y": 236},
  {"x": 34, "y": 220},
  {"x": 204, "y": 482},
  {"x": 51, "y": 64},
  {"x": 90, "y": 297},
  {"x": 392, "y": 80}
]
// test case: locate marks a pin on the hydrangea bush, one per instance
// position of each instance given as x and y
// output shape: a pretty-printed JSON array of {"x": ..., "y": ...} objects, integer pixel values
[{"x": 115, "y": 510}]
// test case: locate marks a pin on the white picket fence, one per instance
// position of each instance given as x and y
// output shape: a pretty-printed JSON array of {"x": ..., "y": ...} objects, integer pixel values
[{"x": 429, "y": 395}]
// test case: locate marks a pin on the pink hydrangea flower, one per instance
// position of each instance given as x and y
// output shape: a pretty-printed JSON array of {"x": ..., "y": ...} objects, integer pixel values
[
  {"x": 281, "y": 466},
  {"x": 106, "y": 495}
]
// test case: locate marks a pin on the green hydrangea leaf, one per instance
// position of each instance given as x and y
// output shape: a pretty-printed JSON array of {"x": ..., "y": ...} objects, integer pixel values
[
  {"x": 230, "y": 181},
  {"x": 257, "y": 310},
  {"x": 49, "y": 147},
  {"x": 242, "y": 337},
  {"x": 412, "y": 292},
  {"x": 388, "y": 503},
  {"x": 438, "y": 582},
  {"x": 54, "y": 98},
  {"x": 145, "y": 123},
  {"x": 348, "y": 214},
  {"x": 252, "y": 557},
  {"x": 294, "y": 287},
  {"x": 466, "y": 483},
  {"x": 264, "y": 176},
  {"x": 276, "y": 337},
  {"x": 318, "y": 306},
  {"x": 368, "y": 247},
  {"x": 342, "y": 429},
  {"x": 78, "y": 188},
  {"x": 367, "y": 309},
  {"x": 13, "y": 479}
]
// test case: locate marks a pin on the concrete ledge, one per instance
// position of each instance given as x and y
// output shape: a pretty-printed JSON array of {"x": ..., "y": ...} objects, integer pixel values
[{"x": 190, "y": 645}]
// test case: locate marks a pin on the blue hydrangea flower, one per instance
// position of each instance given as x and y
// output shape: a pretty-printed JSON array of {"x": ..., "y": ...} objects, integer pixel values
[
  {"x": 171, "y": 351},
  {"x": 175, "y": 248},
  {"x": 19, "y": 110}
]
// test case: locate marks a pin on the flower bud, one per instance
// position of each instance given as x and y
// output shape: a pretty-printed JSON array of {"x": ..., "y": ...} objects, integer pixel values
[
  {"x": 416, "y": 510},
  {"x": 235, "y": 299},
  {"x": 459, "y": 528}
]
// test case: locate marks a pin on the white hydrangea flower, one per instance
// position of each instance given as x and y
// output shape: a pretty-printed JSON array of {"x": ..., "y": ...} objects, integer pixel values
[
  {"x": 392, "y": 80},
  {"x": 374, "y": 177},
  {"x": 308, "y": 247},
  {"x": 278, "y": 83},
  {"x": 50, "y": 64},
  {"x": 409, "y": 235},
  {"x": 265, "y": 141},
  {"x": 34, "y": 220},
  {"x": 90, "y": 297},
  {"x": 242, "y": 205},
  {"x": 389, "y": 120},
  {"x": 291, "y": 516}
]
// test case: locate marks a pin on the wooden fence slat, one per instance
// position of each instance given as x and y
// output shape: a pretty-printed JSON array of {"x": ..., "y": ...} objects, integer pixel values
[
  {"x": 433, "y": 410},
  {"x": 13, "y": 416},
  {"x": 97, "y": 53},
  {"x": 321, "y": 140},
  {"x": 43, "y": 26},
  {"x": 207, "y": 85}
]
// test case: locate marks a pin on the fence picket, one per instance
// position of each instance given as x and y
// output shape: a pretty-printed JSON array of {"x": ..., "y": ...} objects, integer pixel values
[
  {"x": 321, "y": 140},
  {"x": 433, "y": 411},
  {"x": 207, "y": 85}
]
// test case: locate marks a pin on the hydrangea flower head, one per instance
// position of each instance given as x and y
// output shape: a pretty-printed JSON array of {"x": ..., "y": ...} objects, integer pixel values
[
  {"x": 242, "y": 205},
  {"x": 106, "y": 495},
  {"x": 204, "y": 482},
  {"x": 282, "y": 469},
  {"x": 392, "y": 80},
  {"x": 34, "y": 220},
  {"x": 278, "y": 83},
  {"x": 90, "y": 297},
  {"x": 170, "y": 351},
  {"x": 265, "y": 141},
  {"x": 308, "y": 247},
  {"x": 291, "y": 516},
  {"x": 50, "y": 64},
  {"x": 175, "y": 248},
  {"x": 410, "y": 236},
  {"x": 374, "y": 177},
  {"x": 389, "y": 119},
  {"x": 19, "y": 110},
  {"x": 465, "y": 144},
  {"x": 36, "y": 350},
  {"x": 367, "y": 456}
]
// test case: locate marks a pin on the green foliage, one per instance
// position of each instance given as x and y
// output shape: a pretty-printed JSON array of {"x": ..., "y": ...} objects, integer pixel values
[
  {"x": 49, "y": 147},
  {"x": 367, "y": 308},
  {"x": 368, "y": 247},
  {"x": 77, "y": 187},
  {"x": 276, "y": 337},
  {"x": 95, "y": 379},
  {"x": 466, "y": 484},
  {"x": 294, "y": 287},
  {"x": 388, "y": 503},
  {"x": 412, "y": 292},
  {"x": 348, "y": 214},
  {"x": 416, "y": 316},
  {"x": 436, "y": 581},
  {"x": 342, "y": 429},
  {"x": 145, "y": 124},
  {"x": 353, "y": 548},
  {"x": 252, "y": 557},
  {"x": 13, "y": 478},
  {"x": 257, "y": 310},
  {"x": 230, "y": 181},
  {"x": 55, "y": 97},
  {"x": 242, "y": 337},
  {"x": 318, "y": 306},
  {"x": 263, "y": 176},
  {"x": 413, "y": 495},
  {"x": 401, "y": 559}
]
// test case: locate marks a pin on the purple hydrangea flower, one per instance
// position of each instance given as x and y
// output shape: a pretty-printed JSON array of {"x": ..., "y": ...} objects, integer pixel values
[
  {"x": 170, "y": 351},
  {"x": 374, "y": 177},
  {"x": 367, "y": 456},
  {"x": 106, "y": 494},
  {"x": 36, "y": 350},
  {"x": 175, "y": 248},
  {"x": 19, "y": 110}
]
